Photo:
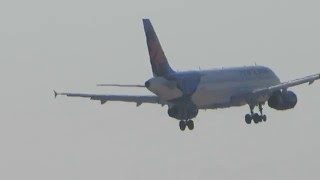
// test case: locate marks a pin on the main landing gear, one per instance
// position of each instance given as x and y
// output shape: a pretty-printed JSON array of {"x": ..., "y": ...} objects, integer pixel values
[
  {"x": 186, "y": 123},
  {"x": 255, "y": 117}
]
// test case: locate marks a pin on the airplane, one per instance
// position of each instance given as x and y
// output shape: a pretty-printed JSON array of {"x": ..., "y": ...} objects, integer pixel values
[{"x": 185, "y": 93}]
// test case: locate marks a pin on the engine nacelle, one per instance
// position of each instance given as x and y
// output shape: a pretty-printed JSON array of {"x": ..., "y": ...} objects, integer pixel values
[
  {"x": 283, "y": 100},
  {"x": 183, "y": 112},
  {"x": 173, "y": 112}
]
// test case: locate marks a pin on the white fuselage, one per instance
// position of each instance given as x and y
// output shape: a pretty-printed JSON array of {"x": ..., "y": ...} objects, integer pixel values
[{"x": 216, "y": 87}]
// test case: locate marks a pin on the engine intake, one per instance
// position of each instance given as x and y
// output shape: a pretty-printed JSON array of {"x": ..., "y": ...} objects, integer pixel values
[{"x": 283, "y": 100}]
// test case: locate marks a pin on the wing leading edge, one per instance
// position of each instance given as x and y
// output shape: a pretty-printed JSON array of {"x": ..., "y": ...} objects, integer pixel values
[
  {"x": 123, "y": 98},
  {"x": 288, "y": 84}
]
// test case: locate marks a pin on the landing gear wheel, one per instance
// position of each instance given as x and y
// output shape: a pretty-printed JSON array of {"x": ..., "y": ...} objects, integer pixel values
[
  {"x": 182, "y": 125},
  {"x": 256, "y": 118},
  {"x": 190, "y": 124},
  {"x": 248, "y": 118},
  {"x": 264, "y": 118}
]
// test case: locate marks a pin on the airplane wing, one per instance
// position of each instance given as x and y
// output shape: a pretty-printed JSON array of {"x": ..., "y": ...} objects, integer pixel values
[
  {"x": 124, "y": 98},
  {"x": 262, "y": 93},
  {"x": 286, "y": 85}
]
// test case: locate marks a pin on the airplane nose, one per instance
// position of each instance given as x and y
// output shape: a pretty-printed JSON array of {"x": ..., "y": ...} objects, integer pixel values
[{"x": 147, "y": 84}]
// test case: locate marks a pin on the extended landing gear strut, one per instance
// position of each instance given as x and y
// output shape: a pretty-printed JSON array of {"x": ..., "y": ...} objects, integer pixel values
[
  {"x": 257, "y": 118},
  {"x": 186, "y": 123}
]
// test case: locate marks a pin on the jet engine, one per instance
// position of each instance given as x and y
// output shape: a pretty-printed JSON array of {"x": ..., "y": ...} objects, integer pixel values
[
  {"x": 283, "y": 100},
  {"x": 183, "y": 112}
]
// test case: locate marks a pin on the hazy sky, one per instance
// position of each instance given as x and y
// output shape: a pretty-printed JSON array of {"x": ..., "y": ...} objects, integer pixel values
[{"x": 71, "y": 45}]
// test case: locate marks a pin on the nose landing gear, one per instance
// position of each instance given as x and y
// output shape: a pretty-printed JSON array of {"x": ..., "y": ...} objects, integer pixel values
[
  {"x": 182, "y": 125},
  {"x": 186, "y": 123},
  {"x": 190, "y": 125}
]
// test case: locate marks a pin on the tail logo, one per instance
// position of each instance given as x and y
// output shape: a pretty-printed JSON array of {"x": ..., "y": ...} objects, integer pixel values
[{"x": 158, "y": 60}]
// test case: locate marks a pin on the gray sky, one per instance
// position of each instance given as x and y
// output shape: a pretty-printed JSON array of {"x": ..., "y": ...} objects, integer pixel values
[{"x": 71, "y": 45}]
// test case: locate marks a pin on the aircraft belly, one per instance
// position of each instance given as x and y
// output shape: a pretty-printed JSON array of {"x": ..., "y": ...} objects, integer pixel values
[
  {"x": 206, "y": 96},
  {"x": 219, "y": 94}
]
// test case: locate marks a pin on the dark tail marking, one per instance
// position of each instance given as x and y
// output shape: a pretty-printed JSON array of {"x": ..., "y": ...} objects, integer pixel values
[{"x": 159, "y": 62}]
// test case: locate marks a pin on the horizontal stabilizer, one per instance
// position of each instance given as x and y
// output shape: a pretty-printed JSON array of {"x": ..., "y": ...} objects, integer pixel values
[
  {"x": 124, "y": 98},
  {"x": 122, "y": 85}
]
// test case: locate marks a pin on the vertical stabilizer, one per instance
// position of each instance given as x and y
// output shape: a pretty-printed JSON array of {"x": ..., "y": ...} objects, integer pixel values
[{"x": 158, "y": 60}]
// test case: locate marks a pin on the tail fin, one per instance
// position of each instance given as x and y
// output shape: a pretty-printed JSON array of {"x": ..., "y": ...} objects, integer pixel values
[{"x": 159, "y": 62}]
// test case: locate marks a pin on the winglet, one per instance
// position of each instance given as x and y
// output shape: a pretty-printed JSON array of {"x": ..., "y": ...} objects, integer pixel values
[{"x": 55, "y": 94}]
